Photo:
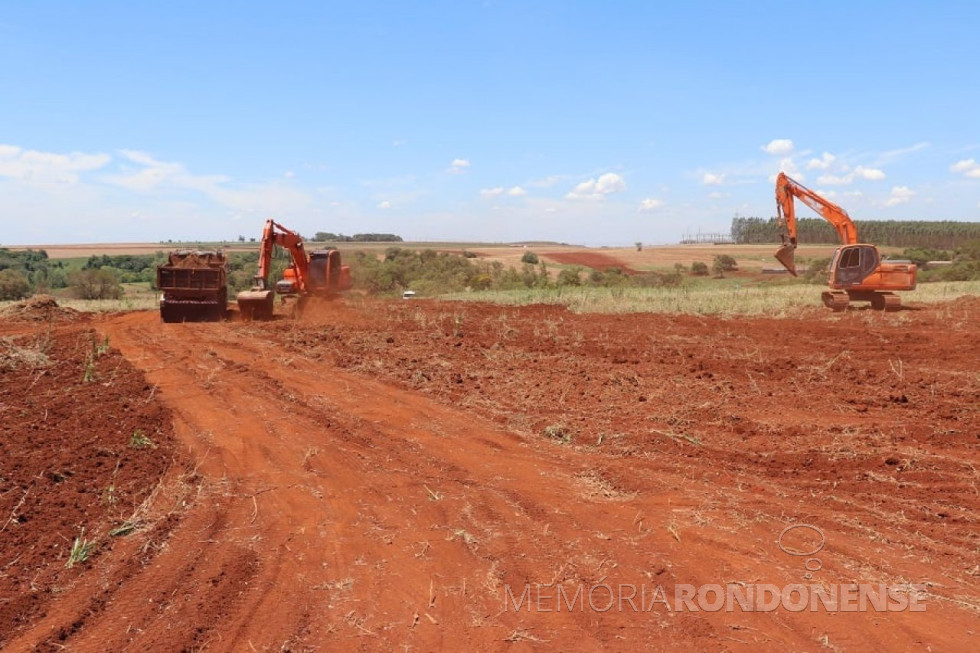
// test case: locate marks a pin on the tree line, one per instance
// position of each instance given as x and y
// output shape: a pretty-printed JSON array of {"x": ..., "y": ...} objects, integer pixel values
[
  {"x": 944, "y": 234},
  {"x": 328, "y": 237}
]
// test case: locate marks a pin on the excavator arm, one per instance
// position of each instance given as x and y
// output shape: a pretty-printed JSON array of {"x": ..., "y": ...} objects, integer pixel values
[
  {"x": 258, "y": 301},
  {"x": 787, "y": 191},
  {"x": 275, "y": 234}
]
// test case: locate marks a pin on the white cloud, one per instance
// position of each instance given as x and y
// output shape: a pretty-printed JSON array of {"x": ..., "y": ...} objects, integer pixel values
[
  {"x": 384, "y": 205},
  {"x": 894, "y": 155},
  {"x": 154, "y": 173},
  {"x": 833, "y": 180},
  {"x": 860, "y": 172},
  {"x": 497, "y": 191},
  {"x": 711, "y": 179},
  {"x": 650, "y": 204},
  {"x": 899, "y": 195},
  {"x": 967, "y": 167},
  {"x": 458, "y": 166},
  {"x": 597, "y": 189},
  {"x": 872, "y": 174},
  {"x": 277, "y": 196},
  {"x": 823, "y": 163},
  {"x": 487, "y": 193},
  {"x": 715, "y": 195},
  {"x": 36, "y": 168},
  {"x": 779, "y": 147},
  {"x": 788, "y": 165},
  {"x": 546, "y": 182}
]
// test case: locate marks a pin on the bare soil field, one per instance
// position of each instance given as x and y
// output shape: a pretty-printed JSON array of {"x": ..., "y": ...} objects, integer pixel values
[
  {"x": 416, "y": 475},
  {"x": 591, "y": 259}
]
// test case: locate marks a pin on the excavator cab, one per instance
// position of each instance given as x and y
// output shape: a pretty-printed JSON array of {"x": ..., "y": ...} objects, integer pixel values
[
  {"x": 853, "y": 264},
  {"x": 327, "y": 275},
  {"x": 324, "y": 270}
]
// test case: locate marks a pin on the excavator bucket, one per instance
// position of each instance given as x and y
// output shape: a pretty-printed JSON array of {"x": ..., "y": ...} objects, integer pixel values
[
  {"x": 256, "y": 304},
  {"x": 787, "y": 256}
]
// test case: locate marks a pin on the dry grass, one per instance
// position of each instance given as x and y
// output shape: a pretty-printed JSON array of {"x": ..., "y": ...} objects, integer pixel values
[{"x": 703, "y": 299}]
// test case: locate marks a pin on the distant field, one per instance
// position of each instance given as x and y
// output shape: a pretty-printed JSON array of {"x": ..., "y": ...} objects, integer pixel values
[
  {"x": 751, "y": 258},
  {"x": 118, "y": 249}
]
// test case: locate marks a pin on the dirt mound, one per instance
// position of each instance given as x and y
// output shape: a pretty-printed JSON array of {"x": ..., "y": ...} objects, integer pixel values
[
  {"x": 39, "y": 308},
  {"x": 187, "y": 258},
  {"x": 593, "y": 260},
  {"x": 83, "y": 444}
]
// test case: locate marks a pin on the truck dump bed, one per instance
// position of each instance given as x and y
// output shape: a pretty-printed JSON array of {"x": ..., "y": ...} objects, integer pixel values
[{"x": 194, "y": 284}]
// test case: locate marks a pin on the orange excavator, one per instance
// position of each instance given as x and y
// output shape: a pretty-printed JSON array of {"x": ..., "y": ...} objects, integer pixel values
[
  {"x": 318, "y": 274},
  {"x": 857, "y": 272}
]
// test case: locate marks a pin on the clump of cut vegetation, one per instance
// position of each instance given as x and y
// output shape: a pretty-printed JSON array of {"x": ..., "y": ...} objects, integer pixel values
[
  {"x": 14, "y": 356},
  {"x": 559, "y": 432},
  {"x": 81, "y": 550},
  {"x": 140, "y": 440}
]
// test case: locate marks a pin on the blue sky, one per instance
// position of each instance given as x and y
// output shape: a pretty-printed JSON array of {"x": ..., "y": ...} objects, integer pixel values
[{"x": 598, "y": 123}]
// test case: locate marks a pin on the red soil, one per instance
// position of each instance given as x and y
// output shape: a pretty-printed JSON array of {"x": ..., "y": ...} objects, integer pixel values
[
  {"x": 594, "y": 260},
  {"x": 382, "y": 475}
]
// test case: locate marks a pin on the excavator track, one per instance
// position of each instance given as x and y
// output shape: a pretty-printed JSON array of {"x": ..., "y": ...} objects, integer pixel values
[
  {"x": 886, "y": 301},
  {"x": 836, "y": 301}
]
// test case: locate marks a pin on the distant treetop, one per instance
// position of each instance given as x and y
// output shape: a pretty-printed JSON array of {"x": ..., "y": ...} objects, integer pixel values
[{"x": 326, "y": 236}]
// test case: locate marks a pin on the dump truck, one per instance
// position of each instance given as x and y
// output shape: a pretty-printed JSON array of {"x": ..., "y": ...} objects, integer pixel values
[{"x": 193, "y": 286}]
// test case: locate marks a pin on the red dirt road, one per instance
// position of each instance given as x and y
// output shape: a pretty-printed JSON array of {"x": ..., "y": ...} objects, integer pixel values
[{"x": 395, "y": 475}]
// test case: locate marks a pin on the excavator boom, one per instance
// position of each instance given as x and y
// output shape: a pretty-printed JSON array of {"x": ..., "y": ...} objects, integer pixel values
[{"x": 786, "y": 191}]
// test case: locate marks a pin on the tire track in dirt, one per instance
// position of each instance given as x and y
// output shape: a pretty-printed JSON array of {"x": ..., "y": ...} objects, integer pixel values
[{"x": 333, "y": 510}]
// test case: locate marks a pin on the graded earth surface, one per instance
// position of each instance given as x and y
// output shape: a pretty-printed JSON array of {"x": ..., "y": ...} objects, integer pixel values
[{"x": 416, "y": 475}]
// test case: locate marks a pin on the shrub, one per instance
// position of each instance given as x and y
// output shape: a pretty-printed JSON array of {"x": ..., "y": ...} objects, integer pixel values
[
  {"x": 724, "y": 263},
  {"x": 13, "y": 285},
  {"x": 530, "y": 257},
  {"x": 818, "y": 270},
  {"x": 95, "y": 284},
  {"x": 569, "y": 277},
  {"x": 699, "y": 269},
  {"x": 922, "y": 255}
]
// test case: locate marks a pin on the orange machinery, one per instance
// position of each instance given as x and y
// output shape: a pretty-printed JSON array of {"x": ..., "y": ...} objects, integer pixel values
[
  {"x": 857, "y": 272},
  {"x": 318, "y": 274}
]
